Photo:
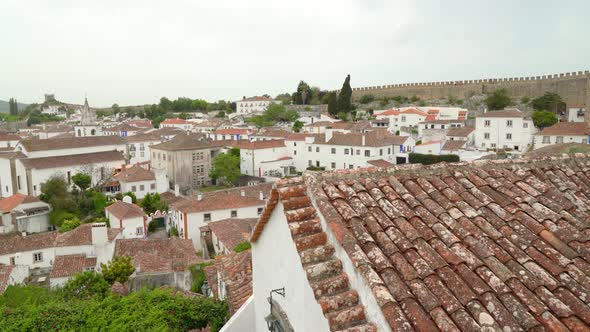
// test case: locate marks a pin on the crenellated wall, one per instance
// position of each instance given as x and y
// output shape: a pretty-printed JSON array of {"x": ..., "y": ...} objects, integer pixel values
[{"x": 572, "y": 87}]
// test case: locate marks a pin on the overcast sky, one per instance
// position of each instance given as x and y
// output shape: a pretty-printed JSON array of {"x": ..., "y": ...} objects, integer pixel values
[{"x": 134, "y": 52}]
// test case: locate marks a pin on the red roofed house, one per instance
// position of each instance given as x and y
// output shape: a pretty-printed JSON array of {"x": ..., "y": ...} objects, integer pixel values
[
  {"x": 8, "y": 141},
  {"x": 16, "y": 274},
  {"x": 140, "y": 180},
  {"x": 231, "y": 134},
  {"x": 486, "y": 246},
  {"x": 22, "y": 213},
  {"x": 128, "y": 217},
  {"x": 563, "y": 132},
  {"x": 177, "y": 123},
  {"x": 66, "y": 266},
  {"x": 224, "y": 235},
  {"x": 265, "y": 158},
  {"x": 188, "y": 215}
]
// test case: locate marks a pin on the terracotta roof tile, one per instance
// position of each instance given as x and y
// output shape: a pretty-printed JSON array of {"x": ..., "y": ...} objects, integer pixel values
[
  {"x": 158, "y": 255},
  {"x": 224, "y": 199},
  {"x": 73, "y": 160},
  {"x": 233, "y": 231},
  {"x": 135, "y": 173},
  {"x": 65, "y": 266},
  {"x": 235, "y": 270},
  {"x": 9, "y": 203},
  {"x": 123, "y": 210},
  {"x": 566, "y": 129},
  {"x": 69, "y": 143}
]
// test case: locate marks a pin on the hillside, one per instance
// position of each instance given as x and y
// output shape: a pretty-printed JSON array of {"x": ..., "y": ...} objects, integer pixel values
[{"x": 4, "y": 106}]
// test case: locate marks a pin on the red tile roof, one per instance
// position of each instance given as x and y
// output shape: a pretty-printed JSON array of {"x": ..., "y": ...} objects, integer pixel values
[
  {"x": 224, "y": 199},
  {"x": 255, "y": 98},
  {"x": 413, "y": 111},
  {"x": 493, "y": 245},
  {"x": 374, "y": 138},
  {"x": 9, "y": 137},
  {"x": 257, "y": 145},
  {"x": 69, "y": 143},
  {"x": 380, "y": 163},
  {"x": 390, "y": 112},
  {"x": 5, "y": 271},
  {"x": 232, "y": 131},
  {"x": 460, "y": 132},
  {"x": 9, "y": 203},
  {"x": 236, "y": 272},
  {"x": 158, "y": 255},
  {"x": 567, "y": 129},
  {"x": 135, "y": 173},
  {"x": 123, "y": 210},
  {"x": 430, "y": 117},
  {"x": 453, "y": 145},
  {"x": 233, "y": 231},
  {"x": 340, "y": 303},
  {"x": 508, "y": 113},
  {"x": 65, "y": 266},
  {"x": 174, "y": 121},
  {"x": 74, "y": 160}
]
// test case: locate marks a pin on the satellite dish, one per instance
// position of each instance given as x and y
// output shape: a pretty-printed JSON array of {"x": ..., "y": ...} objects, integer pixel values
[{"x": 127, "y": 199}]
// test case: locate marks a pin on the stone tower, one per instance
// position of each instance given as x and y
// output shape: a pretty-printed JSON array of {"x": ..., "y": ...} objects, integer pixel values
[{"x": 88, "y": 115}]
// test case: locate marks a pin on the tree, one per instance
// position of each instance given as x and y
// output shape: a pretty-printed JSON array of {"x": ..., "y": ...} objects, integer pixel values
[
  {"x": 297, "y": 126},
  {"x": 85, "y": 285},
  {"x": 165, "y": 104},
  {"x": 343, "y": 116},
  {"x": 365, "y": 99},
  {"x": 118, "y": 269},
  {"x": 69, "y": 224},
  {"x": 303, "y": 94},
  {"x": 498, "y": 100},
  {"x": 226, "y": 167},
  {"x": 99, "y": 201},
  {"x": 82, "y": 180},
  {"x": 285, "y": 98},
  {"x": 345, "y": 97},
  {"x": 548, "y": 102},
  {"x": 55, "y": 192},
  {"x": 116, "y": 109},
  {"x": 12, "y": 106},
  {"x": 544, "y": 119},
  {"x": 152, "y": 203},
  {"x": 332, "y": 101}
]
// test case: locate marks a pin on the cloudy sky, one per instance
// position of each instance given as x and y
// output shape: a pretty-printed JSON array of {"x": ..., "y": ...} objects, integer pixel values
[{"x": 134, "y": 52}]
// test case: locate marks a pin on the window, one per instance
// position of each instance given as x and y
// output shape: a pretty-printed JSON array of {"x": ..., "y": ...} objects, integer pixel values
[
  {"x": 12, "y": 261},
  {"x": 317, "y": 149},
  {"x": 486, "y": 135},
  {"x": 152, "y": 186},
  {"x": 525, "y": 124},
  {"x": 309, "y": 149},
  {"x": 546, "y": 139},
  {"x": 345, "y": 151},
  {"x": 380, "y": 152},
  {"x": 139, "y": 231},
  {"x": 142, "y": 154},
  {"x": 358, "y": 152},
  {"x": 294, "y": 152},
  {"x": 69, "y": 177},
  {"x": 18, "y": 180},
  {"x": 309, "y": 163},
  {"x": 403, "y": 118},
  {"x": 207, "y": 217},
  {"x": 388, "y": 150},
  {"x": 333, "y": 165},
  {"x": 234, "y": 214},
  {"x": 294, "y": 143},
  {"x": 508, "y": 123},
  {"x": 486, "y": 123},
  {"x": 508, "y": 136},
  {"x": 493, "y": 145},
  {"x": 351, "y": 166},
  {"x": 559, "y": 139},
  {"x": 367, "y": 153},
  {"x": 141, "y": 187},
  {"x": 333, "y": 150},
  {"x": 260, "y": 210},
  {"x": 134, "y": 188},
  {"x": 37, "y": 257},
  {"x": 483, "y": 145}
]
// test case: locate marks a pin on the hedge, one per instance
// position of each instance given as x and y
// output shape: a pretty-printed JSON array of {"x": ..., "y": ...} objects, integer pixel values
[{"x": 428, "y": 159}]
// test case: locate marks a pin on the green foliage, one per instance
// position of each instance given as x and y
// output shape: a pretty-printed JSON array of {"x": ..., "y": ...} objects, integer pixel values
[
  {"x": 297, "y": 126},
  {"x": 343, "y": 116},
  {"x": 384, "y": 102},
  {"x": 22, "y": 296},
  {"x": 303, "y": 94},
  {"x": 285, "y": 98},
  {"x": 548, "y": 102},
  {"x": 242, "y": 246},
  {"x": 85, "y": 285},
  {"x": 152, "y": 203},
  {"x": 82, "y": 180},
  {"x": 99, "y": 201},
  {"x": 498, "y": 100},
  {"x": 332, "y": 101},
  {"x": 174, "y": 231},
  {"x": 132, "y": 195},
  {"x": 422, "y": 103},
  {"x": 198, "y": 274},
  {"x": 152, "y": 226},
  {"x": 365, "y": 99},
  {"x": 57, "y": 216},
  {"x": 118, "y": 269},
  {"x": 55, "y": 192},
  {"x": 146, "y": 310},
  {"x": 414, "y": 99},
  {"x": 36, "y": 117},
  {"x": 226, "y": 167},
  {"x": 316, "y": 168},
  {"x": 427, "y": 159},
  {"x": 344, "y": 103},
  {"x": 12, "y": 106},
  {"x": 69, "y": 224},
  {"x": 273, "y": 114},
  {"x": 525, "y": 100},
  {"x": 544, "y": 119}
]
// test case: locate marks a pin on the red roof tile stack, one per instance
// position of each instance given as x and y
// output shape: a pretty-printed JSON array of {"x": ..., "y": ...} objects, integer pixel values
[
  {"x": 500, "y": 245},
  {"x": 340, "y": 303}
]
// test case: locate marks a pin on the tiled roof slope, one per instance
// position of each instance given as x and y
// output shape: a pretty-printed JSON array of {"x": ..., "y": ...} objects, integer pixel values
[
  {"x": 236, "y": 271},
  {"x": 496, "y": 245},
  {"x": 65, "y": 266},
  {"x": 340, "y": 303}
]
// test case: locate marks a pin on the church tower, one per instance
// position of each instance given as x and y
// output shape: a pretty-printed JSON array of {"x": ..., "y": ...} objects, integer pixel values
[{"x": 88, "y": 125}]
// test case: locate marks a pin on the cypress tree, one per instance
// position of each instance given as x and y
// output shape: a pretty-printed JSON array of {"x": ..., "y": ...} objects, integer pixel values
[
  {"x": 344, "y": 98},
  {"x": 332, "y": 103}
]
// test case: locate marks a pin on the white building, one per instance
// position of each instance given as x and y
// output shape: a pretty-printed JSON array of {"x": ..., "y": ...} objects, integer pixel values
[
  {"x": 177, "y": 123},
  {"x": 432, "y": 147},
  {"x": 401, "y": 119},
  {"x": 21, "y": 213},
  {"x": 12, "y": 275},
  {"x": 563, "y": 132},
  {"x": 52, "y": 147},
  {"x": 127, "y": 217},
  {"x": 575, "y": 113},
  {"x": 268, "y": 158},
  {"x": 88, "y": 125},
  {"x": 231, "y": 134},
  {"x": 507, "y": 129},
  {"x": 66, "y": 266},
  {"x": 189, "y": 214},
  {"x": 253, "y": 105},
  {"x": 8, "y": 141},
  {"x": 138, "y": 180}
]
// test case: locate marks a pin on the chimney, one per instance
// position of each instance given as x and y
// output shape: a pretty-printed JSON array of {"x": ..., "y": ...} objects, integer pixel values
[
  {"x": 242, "y": 192},
  {"x": 176, "y": 190},
  {"x": 99, "y": 234},
  {"x": 199, "y": 196},
  {"x": 363, "y": 139},
  {"x": 261, "y": 195}
]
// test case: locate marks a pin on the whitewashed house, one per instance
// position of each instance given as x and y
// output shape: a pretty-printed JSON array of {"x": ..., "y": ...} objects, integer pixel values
[
  {"x": 563, "y": 132},
  {"x": 253, "y": 105},
  {"x": 139, "y": 180},
  {"x": 507, "y": 129},
  {"x": 12, "y": 275},
  {"x": 231, "y": 134},
  {"x": 66, "y": 266},
  {"x": 177, "y": 123},
  {"x": 22, "y": 213},
  {"x": 127, "y": 217},
  {"x": 8, "y": 141},
  {"x": 189, "y": 214},
  {"x": 575, "y": 113},
  {"x": 268, "y": 158}
]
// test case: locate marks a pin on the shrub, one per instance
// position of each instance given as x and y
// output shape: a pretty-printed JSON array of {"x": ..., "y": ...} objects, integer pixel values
[
  {"x": 57, "y": 217},
  {"x": 242, "y": 247},
  {"x": 316, "y": 168},
  {"x": 152, "y": 226},
  {"x": 198, "y": 274},
  {"x": 365, "y": 99},
  {"x": 69, "y": 224},
  {"x": 173, "y": 231},
  {"x": 118, "y": 269},
  {"x": 428, "y": 159}
]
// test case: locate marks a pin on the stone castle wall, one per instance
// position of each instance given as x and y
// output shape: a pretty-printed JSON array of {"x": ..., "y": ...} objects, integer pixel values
[{"x": 574, "y": 88}]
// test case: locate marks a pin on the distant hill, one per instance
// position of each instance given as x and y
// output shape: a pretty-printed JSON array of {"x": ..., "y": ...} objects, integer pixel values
[{"x": 4, "y": 106}]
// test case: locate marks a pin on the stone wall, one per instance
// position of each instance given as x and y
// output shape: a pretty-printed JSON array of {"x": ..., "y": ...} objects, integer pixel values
[{"x": 574, "y": 87}]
